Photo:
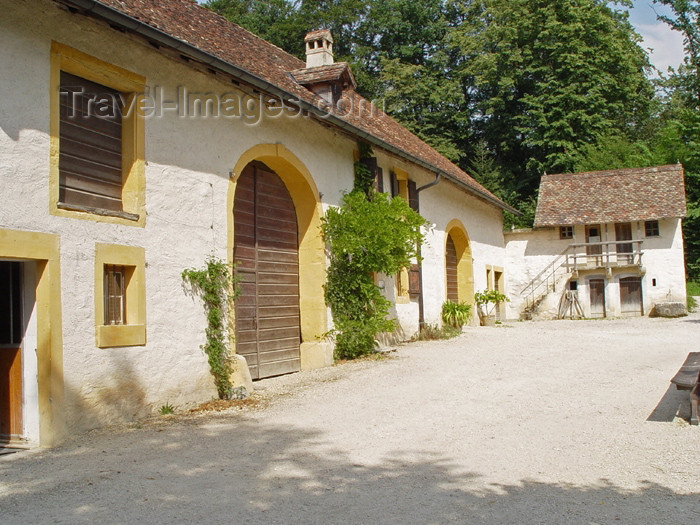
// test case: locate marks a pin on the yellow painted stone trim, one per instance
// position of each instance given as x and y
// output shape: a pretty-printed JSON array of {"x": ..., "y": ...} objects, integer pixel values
[
  {"x": 44, "y": 249},
  {"x": 312, "y": 259},
  {"x": 133, "y": 333},
  {"x": 64, "y": 58},
  {"x": 465, "y": 267}
]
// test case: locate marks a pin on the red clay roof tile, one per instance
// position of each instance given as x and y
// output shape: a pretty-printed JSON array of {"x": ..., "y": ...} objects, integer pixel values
[{"x": 635, "y": 194}]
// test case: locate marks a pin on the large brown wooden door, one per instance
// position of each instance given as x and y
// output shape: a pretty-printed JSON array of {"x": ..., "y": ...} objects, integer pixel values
[
  {"x": 11, "y": 331},
  {"x": 266, "y": 253},
  {"x": 597, "y": 296},
  {"x": 451, "y": 270},
  {"x": 631, "y": 296}
]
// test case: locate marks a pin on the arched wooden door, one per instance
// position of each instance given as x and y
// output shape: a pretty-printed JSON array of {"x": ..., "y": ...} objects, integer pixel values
[
  {"x": 451, "y": 270},
  {"x": 266, "y": 253}
]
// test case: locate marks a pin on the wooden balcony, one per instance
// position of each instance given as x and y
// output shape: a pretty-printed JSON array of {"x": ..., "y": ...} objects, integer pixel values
[{"x": 606, "y": 255}]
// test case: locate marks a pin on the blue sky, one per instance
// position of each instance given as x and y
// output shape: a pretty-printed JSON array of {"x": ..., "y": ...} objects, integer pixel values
[{"x": 664, "y": 45}]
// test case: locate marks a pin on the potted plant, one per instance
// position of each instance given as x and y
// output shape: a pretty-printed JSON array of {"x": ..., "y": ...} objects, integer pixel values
[
  {"x": 487, "y": 315},
  {"x": 456, "y": 314}
]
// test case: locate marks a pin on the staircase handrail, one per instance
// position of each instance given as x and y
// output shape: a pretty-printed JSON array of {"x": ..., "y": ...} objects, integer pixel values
[{"x": 546, "y": 271}]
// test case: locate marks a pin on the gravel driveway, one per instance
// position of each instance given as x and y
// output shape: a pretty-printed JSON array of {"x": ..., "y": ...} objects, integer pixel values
[{"x": 536, "y": 422}]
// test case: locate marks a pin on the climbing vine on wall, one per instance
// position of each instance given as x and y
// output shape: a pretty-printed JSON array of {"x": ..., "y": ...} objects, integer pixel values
[
  {"x": 369, "y": 233},
  {"x": 218, "y": 288}
]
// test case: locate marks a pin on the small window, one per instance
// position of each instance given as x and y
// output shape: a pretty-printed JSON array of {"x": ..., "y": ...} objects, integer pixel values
[
  {"x": 566, "y": 232},
  {"x": 651, "y": 228},
  {"x": 120, "y": 296},
  {"x": 115, "y": 294}
]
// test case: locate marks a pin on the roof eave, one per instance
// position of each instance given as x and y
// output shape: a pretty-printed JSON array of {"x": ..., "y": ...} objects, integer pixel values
[{"x": 129, "y": 23}]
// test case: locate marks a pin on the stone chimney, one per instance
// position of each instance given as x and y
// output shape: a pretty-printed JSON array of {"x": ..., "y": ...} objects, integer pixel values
[{"x": 319, "y": 48}]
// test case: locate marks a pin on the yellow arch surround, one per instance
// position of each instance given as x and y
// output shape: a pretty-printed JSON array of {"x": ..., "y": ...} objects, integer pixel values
[
  {"x": 465, "y": 268},
  {"x": 312, "y": 260},
  {"x": 43, "y": 248}
]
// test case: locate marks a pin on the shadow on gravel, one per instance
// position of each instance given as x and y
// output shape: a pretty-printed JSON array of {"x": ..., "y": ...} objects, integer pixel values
[
  {"x": 674, "y": 402},
  {"x": 248, "y": 473}
]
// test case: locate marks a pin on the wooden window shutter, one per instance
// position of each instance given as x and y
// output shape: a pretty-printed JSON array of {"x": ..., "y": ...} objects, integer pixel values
[
  {"x": 379, "y": 180},
  {"x": 413, "y": 196},
  {"x": 394, "y": 183},
  {"x": 414, "y": 280},
  {"x": 90, "y": 144}
]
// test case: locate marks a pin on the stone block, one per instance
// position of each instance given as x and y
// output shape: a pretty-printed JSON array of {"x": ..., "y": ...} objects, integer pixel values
[
  {"x": 240, "y": 376},
  {"x": 669, "y": 309}
]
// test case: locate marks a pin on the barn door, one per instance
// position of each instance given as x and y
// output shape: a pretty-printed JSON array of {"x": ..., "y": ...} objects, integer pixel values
[
  {"x": 597, "y": 296},
  {"x": 451, "y": 270},
  {"x": 266, "y": 252},
  {"x": 631, "y": 296},
  {"x": 11, "y": 330}
]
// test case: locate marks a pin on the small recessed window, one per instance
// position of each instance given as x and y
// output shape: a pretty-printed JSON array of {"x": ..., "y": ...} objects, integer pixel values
[
  {"x": 566, "y": 232},
  {"x": 651, "y": 228},
  {"x": 115, "y": 294}
]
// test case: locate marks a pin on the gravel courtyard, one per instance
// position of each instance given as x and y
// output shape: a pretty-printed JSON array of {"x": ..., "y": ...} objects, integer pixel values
[{"x": 536, "y": 422}]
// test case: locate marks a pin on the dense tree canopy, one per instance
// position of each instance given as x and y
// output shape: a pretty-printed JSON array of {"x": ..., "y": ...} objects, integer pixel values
[{"x": 509, "y": 89}]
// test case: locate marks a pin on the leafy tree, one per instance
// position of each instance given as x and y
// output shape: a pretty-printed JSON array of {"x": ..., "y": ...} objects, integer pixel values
[
  {"x": 679, "y": 137},
  {"x": 277, "y": 21},
  {"x": 550, "y": 77}
]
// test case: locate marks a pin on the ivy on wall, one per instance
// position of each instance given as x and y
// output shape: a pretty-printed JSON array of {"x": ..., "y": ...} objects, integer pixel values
[
  {"x": 218, "y": 288},
  {"x": 369, "y": 233}
]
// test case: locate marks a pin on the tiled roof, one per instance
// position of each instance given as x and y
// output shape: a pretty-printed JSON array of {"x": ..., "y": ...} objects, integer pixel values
[
  {"x": 197, "y": 27},
  {"x": 313, "y": 75},
  {"x": 635, "y": 194}
]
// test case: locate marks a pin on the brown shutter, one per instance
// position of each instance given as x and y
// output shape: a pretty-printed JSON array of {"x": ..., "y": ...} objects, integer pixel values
[
  {"x": 394, "y": 183},
  {"x": 413, "y": 196},
  {"x": 414, "y": 280},
  {"x": 90, "y": 133},
  {"x": 379, "y": 180}
]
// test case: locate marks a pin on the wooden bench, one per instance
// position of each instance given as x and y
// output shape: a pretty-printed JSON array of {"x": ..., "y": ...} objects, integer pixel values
[{"x": 688, "y": 378}]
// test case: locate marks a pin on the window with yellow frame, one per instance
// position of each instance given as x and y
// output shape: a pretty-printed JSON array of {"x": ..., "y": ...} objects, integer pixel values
[
  {"x": 120, "y": 295},
  {"x": 97, "y": 168}
]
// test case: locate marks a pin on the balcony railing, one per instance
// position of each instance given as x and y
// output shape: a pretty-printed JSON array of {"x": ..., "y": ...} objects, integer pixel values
[{"x": 606, "y": 254}]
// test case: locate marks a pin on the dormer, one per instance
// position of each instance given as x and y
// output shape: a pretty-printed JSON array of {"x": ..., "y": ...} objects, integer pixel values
[{"x": 321, "y": 75}]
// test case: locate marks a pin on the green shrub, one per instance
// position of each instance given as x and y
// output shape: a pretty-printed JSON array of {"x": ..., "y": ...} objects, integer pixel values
[
  {"x": 369, "y": 233},
  {"x": 455, "y": 314},
  {"x": 166, "y": 409},
  {"x": 483, "y": 299}
]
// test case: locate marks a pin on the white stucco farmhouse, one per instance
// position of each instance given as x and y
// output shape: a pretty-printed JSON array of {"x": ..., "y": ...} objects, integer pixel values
[{"x": 138, "y": 139}]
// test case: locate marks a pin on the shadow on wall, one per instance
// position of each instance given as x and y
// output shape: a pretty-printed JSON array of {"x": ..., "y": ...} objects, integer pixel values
[
  {"x": 234, "y": 470},
  {"x": 117, "y": 396}
]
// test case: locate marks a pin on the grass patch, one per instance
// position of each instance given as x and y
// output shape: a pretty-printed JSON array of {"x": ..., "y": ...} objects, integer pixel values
[
  {"x": 692, "y": 288},
  {"x": 432, "y": 332}
]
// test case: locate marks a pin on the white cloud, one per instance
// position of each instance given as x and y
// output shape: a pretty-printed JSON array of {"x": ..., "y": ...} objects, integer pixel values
[{"x": 664, "y": 45}]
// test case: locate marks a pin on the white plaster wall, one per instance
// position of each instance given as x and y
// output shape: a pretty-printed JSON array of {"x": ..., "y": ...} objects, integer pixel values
[
  {"x": 440, "y": 205},
  {"x": 528, "y": 252},
  {"x": 187, "y": 180}
]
